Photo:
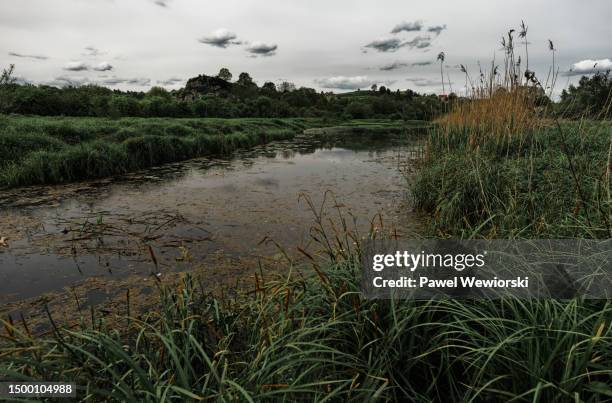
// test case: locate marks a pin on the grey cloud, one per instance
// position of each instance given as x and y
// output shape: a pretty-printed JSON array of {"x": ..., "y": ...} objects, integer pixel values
[
  {"x": 407, "y": 27},
  {"x": 419, "y": 42},
  {"x": 104, "y": 66},
  {"x": 398, "y": 65},
  {"x": 393, "y": 44},
  {"x": 437, "y": 29},
  {"x": 161, "y": 3},
  {"x": 170, "y": 81},
  {"x": 423, "y": 82},
  {"x": 262, "y": 49},
  {"x": 36, "y": 57},
  {"x": 589, "y": 66},
  {"x": 138, "y": 81},
  {"x": 65, "y": 81},
  {"x": 93, "y": 52},
  {"x": 393, "y": 66},
  {"x": 221, "y": 38},
  {"x": 420, "y": 64},
  {"x": 385, "y": 45},
  {"x": 76, "y": 66},
  {"x": 113, "y": 81}
]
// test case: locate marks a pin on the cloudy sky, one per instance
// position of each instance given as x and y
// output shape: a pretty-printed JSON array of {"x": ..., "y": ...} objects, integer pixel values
[{"x": 334, "y": 45}]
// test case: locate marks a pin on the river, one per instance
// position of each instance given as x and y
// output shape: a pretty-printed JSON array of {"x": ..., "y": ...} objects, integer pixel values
[{"x": 222, "y": 214}]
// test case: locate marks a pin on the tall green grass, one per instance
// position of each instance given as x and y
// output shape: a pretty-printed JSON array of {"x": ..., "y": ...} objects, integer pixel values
[
  {"x": 315, "y": 338},
  {"x": 35, "y": 150},
  {"x": 546, "y": 182}
]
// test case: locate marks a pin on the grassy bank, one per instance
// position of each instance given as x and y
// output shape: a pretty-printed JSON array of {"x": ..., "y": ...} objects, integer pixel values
[
  {"x": 318, "y": 339},
  {"x": 547, "y": 182},
  {"x": 370, "y": 127},
  {"x": 47, "y": 150},
  {"x": 37, "y": 150}
]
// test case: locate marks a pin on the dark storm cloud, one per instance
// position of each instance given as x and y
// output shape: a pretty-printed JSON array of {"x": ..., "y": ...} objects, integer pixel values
[
  {"x": 76, "y": 66},
  {"x": 407, "y": 27},
  {"x": 385, "y": 45},
  {"x": 437, "y": 29},
  {"x": 393, "y": 66},
  {"x": 221, "y": 38},
  {"x": 262, "y": 49},
  {"x": 36, "y": 57},
  {"x": 589, "y": 66}
]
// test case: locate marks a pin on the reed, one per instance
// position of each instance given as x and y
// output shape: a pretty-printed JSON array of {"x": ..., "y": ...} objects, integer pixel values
[
  {"x": 499, "y": 165},
  {"x": 35, "y": 150},
  {"x": 311, "y": 335}
]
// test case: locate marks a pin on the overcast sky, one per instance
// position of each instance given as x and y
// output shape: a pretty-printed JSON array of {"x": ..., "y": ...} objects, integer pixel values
[{"x": 331, "y": 45}]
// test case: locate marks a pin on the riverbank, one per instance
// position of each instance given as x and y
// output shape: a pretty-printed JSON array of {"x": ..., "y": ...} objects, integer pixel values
[
  {"x": 548, "y": 182},
  {"x": 48, "y": 150}
]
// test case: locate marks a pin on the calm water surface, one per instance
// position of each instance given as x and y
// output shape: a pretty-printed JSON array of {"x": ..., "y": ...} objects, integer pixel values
[{"x": 201, "y": 210}]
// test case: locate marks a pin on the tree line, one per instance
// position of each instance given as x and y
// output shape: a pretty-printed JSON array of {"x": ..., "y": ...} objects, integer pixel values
[
  {"x": 219, "y": 96},
  {"x": 236, "y": 99}
]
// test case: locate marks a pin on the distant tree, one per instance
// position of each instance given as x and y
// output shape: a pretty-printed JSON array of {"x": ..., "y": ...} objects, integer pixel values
[
  {"x": 441, "y": 57},
  {"x": 382, "y": 89},
  {"x": 374, "y": 87},
  {"x": 159, "y": 92},
  {"x": 225, "y": 74},
  {"x": 286, "y": 86},
  {"x": 245, "y": 80},
  {"x": 591, "y": 98},
  {"x": 269, "y": 88}
]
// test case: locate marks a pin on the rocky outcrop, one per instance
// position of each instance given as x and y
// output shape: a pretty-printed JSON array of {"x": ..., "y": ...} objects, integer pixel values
[{"x": 203, "y": 85}]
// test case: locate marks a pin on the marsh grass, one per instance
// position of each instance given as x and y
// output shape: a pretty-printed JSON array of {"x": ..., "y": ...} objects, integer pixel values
[
  {"x": 309, "y": 335},
  {"x": 36, "y": 150},
  {"x": 498, "y": 165}
]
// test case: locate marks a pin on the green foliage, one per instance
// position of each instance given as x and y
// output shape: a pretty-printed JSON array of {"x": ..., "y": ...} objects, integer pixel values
[
  {"x": 225, "y": 74},
  {"x": 548, "y": 183},
  {"x": 206, "y": 96},
  {"x": 54, "y": 150},
  {"x": 319, "y": 338},
  {"x": 591, "y": 98}
]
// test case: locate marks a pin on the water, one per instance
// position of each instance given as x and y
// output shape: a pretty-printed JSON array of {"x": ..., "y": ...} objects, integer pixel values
[{"x": 220, "y": 214}]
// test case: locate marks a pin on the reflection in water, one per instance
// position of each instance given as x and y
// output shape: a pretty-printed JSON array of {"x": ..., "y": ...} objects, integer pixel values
[{"x": 194, "y": 210}]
